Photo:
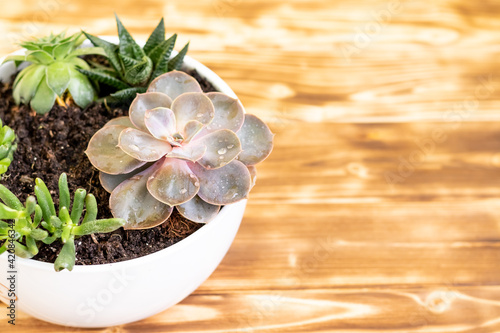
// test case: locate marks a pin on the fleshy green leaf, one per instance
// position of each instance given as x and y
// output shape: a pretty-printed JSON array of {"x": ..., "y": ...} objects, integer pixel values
[
  {"x": 104, "y": 153},
  {"x": 9, "y": 198},
  {"x": 256, "y": 140},
  {"x": 81, "y": 89},
  {"x": 139, "y": 73},
  {"x": 99, "y": 226},
  {"x": 31, "y": 83},
  {"x": 91, "y": 209},
  {"x": 78, "y": 204},
  {"x": 66, "y": 258},
  {"x": 58, "y": 77},
  {"x": 7, "y": 213},
  {"x": 44, "y": 98},
  {"x": 44, "y": 199},
  {"x": 40, "y": 57},
  {"x": 156, "y": 37},
  {"x": 39, "y": 234},
  {"x": 64, "y": 195}
]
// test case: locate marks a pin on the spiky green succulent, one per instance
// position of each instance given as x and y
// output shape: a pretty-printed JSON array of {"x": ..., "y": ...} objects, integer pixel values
[
  {"x": 179, "y": 148},
  {"x": 53, "y": 72},
  {"x": 37, "y": 221},
  {"x": 132, "y": 67},
  {"x": 8, "y": 146}
]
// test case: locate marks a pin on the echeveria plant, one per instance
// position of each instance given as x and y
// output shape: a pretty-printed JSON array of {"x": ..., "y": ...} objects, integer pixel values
[
  {"x": 134, "y": 67},
  {"x": 8, "y": 146},
  {"x": 53, "y": 72},
  {"x": 180, "y": 148},
  {"x": 37, "y": 221}
]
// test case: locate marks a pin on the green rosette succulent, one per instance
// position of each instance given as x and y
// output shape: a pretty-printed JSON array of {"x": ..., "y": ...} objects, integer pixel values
[
  {"x": 53, "y": 72},
  {"x": 8, "y": 146},
  {"x": 37, "y": 221},
  {"x": 132, "y": 67},
  {"x": 179, "y": 148}
]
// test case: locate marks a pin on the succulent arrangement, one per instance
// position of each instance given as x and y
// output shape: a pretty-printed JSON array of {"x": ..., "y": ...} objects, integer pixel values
[
  {"x": 132, "y": 67},
  {"x": 53, "y": 72},
  {"x": 8, "y": 146},
  {"x": 37, "y": 221},
  {"x": 178, "y": 148}
]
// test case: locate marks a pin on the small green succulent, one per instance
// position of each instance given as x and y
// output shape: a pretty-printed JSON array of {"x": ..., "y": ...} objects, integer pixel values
[
  {"x": 8, "y": 146},
  {"x": 37, "y": 221},
  {"x": 134, "y": 67},
  {"x": 53, "y": 72}
]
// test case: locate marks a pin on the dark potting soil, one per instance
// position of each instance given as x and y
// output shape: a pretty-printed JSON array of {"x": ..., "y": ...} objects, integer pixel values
[{"x": 54, "y": 143}]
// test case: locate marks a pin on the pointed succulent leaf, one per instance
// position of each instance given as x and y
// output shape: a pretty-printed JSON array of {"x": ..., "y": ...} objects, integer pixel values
[
  {"x": 122, "y": 121},
  {"x": 78, "y": 63},
  {"x": 104, "y": 153},
  {"x": 80, "y": 89},
  {"x": 160, "y": 122},
  {"x": 225, "y": 185},
  {"x": 40, "y": 57},
  {"x": 109, "y": 48},
  {"x": 62, "y": 50},
  {"x": 156, "y": 37},
  {"x": 139, "y": 73},
  {"x": 144, "y": 102},
  {"x": 128, "y": 94},
  {"x": 229, "y": 113},
  {"x": 98, "y": 226},
  {"x": 132, "y": 202},
  {"x": 110, "y": 182},
  {"x": 66, "y": 258},
  {"x": 160, "y": 55},
  {"x": 198, "y": 210},
  {"x": 173, "y": 183},
  {"x": 256, "y": 140},
  {"x": 58, "y": 77},
  {"x": 223, "y": 146},
  {"x": 190, "y": 152},
  {"x": 128, "y": 62},
  {"x": 142, "y": 146},
  {"x": 192, "y": 106},
  {"x": 88, "y": 50},
  {"x": 128, "y": 45},
  {"x": 104, "y": 78},
  {"x": 176, "y": 62},
  {"x": 174, "y": 84}
]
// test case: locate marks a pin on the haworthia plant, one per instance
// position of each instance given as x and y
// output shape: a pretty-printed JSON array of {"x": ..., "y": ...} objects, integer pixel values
[
  {"x": 178, "y": 148},
  {"x": 8, "y": 146},
  {"x": 53, "y": 72},
  {"x": 133, "y": 67},
  {"x": 37, "y": 221}
]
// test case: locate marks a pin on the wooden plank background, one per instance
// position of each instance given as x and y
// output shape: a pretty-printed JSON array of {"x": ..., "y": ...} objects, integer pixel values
[{"x": 379, "y": 210}]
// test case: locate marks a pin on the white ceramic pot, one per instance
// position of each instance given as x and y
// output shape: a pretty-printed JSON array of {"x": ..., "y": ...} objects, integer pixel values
[{"x": 123, "y": 292}]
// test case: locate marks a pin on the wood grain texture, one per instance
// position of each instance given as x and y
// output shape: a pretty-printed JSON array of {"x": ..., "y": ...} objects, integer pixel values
[{"x": 378, "y": 210}]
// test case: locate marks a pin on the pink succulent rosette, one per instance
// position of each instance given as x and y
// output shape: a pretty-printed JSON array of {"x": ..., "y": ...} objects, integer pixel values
[{"x": 180, "y": 148}]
